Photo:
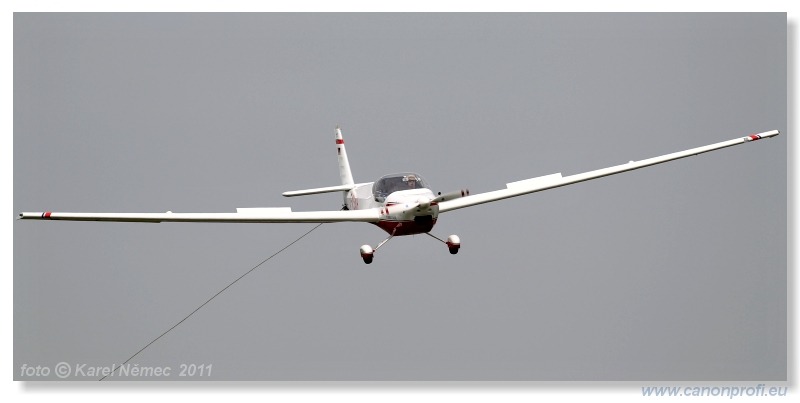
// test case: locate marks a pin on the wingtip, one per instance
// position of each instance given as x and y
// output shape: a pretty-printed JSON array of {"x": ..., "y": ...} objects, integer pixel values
[{"x": 763, "y": 135}]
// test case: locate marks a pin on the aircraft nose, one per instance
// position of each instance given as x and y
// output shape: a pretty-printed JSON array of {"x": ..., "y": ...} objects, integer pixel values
[{"x": 424, "y": 202}]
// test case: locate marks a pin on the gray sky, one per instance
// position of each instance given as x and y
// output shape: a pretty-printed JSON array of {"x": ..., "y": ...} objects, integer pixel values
[{"x": 675, "y": 272}]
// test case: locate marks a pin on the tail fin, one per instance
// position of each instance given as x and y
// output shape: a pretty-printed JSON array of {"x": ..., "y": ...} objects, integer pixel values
[
  {"x": 344, "y": 164},
  {"x": 344, "y": 174}
]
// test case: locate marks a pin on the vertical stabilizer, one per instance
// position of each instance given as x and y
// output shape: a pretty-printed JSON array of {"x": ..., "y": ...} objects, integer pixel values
[{"x": 344, "y": 164}]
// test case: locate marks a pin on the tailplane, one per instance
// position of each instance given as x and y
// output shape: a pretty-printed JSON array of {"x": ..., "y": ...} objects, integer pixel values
[
  {"x": 344, "y": 173},
  {"x": 329, "y": 189}
]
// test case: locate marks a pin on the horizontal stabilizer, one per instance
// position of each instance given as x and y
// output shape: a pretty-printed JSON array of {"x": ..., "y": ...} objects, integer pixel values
[{"x": 329, "y": 189}]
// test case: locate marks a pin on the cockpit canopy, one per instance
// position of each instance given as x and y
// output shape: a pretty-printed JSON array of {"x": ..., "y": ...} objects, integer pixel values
[{"x": 389, "y": 184}]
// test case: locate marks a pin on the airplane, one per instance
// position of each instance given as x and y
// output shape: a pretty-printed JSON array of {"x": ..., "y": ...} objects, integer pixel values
[{"x": 400, "y": 204}]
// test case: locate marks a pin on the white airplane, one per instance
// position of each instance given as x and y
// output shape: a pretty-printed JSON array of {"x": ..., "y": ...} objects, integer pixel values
[{"x": 400, "y": 204}]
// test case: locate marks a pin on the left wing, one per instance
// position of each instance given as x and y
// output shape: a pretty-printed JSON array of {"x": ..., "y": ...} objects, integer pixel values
[
  {"x": 242, "y": 215},
  {"x": 556, "y": 180}
]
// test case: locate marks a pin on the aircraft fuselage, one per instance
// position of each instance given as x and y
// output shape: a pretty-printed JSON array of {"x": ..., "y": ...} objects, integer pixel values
[{"x": 403, "y": 212}]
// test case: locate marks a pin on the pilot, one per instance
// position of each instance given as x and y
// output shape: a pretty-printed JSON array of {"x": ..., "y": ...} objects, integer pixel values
[{"x": 412, "y": 182}]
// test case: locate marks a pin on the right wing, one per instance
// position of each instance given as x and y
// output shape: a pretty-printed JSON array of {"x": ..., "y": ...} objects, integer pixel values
[
  {"x": 242, "y": 215},
  {"x": 556, "y": 180}
]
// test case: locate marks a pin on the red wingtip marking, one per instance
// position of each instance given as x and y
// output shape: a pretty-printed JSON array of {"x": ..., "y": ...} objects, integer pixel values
[
  {"x": 47, "y": 214},
  {"x": 754, "y": 137},
  {"x": 339, "y": 141}
]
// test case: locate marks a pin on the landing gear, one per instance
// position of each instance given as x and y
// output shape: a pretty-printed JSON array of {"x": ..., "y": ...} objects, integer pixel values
[
  {"x": 453, "y": 242},
  {"x": 367, "y": 253}
]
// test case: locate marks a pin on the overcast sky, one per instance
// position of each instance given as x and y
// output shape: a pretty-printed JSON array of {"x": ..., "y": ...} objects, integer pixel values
[{"x": 675, "y": 272}]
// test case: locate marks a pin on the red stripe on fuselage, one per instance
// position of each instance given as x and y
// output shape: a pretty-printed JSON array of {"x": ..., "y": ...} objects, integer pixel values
[{"x": 411, "y": 227}]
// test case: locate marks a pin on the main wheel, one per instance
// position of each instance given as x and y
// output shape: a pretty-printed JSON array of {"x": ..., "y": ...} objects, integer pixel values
[
  {"x": 367, "y": 253},
  {"x": 453, "y": 244}
]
